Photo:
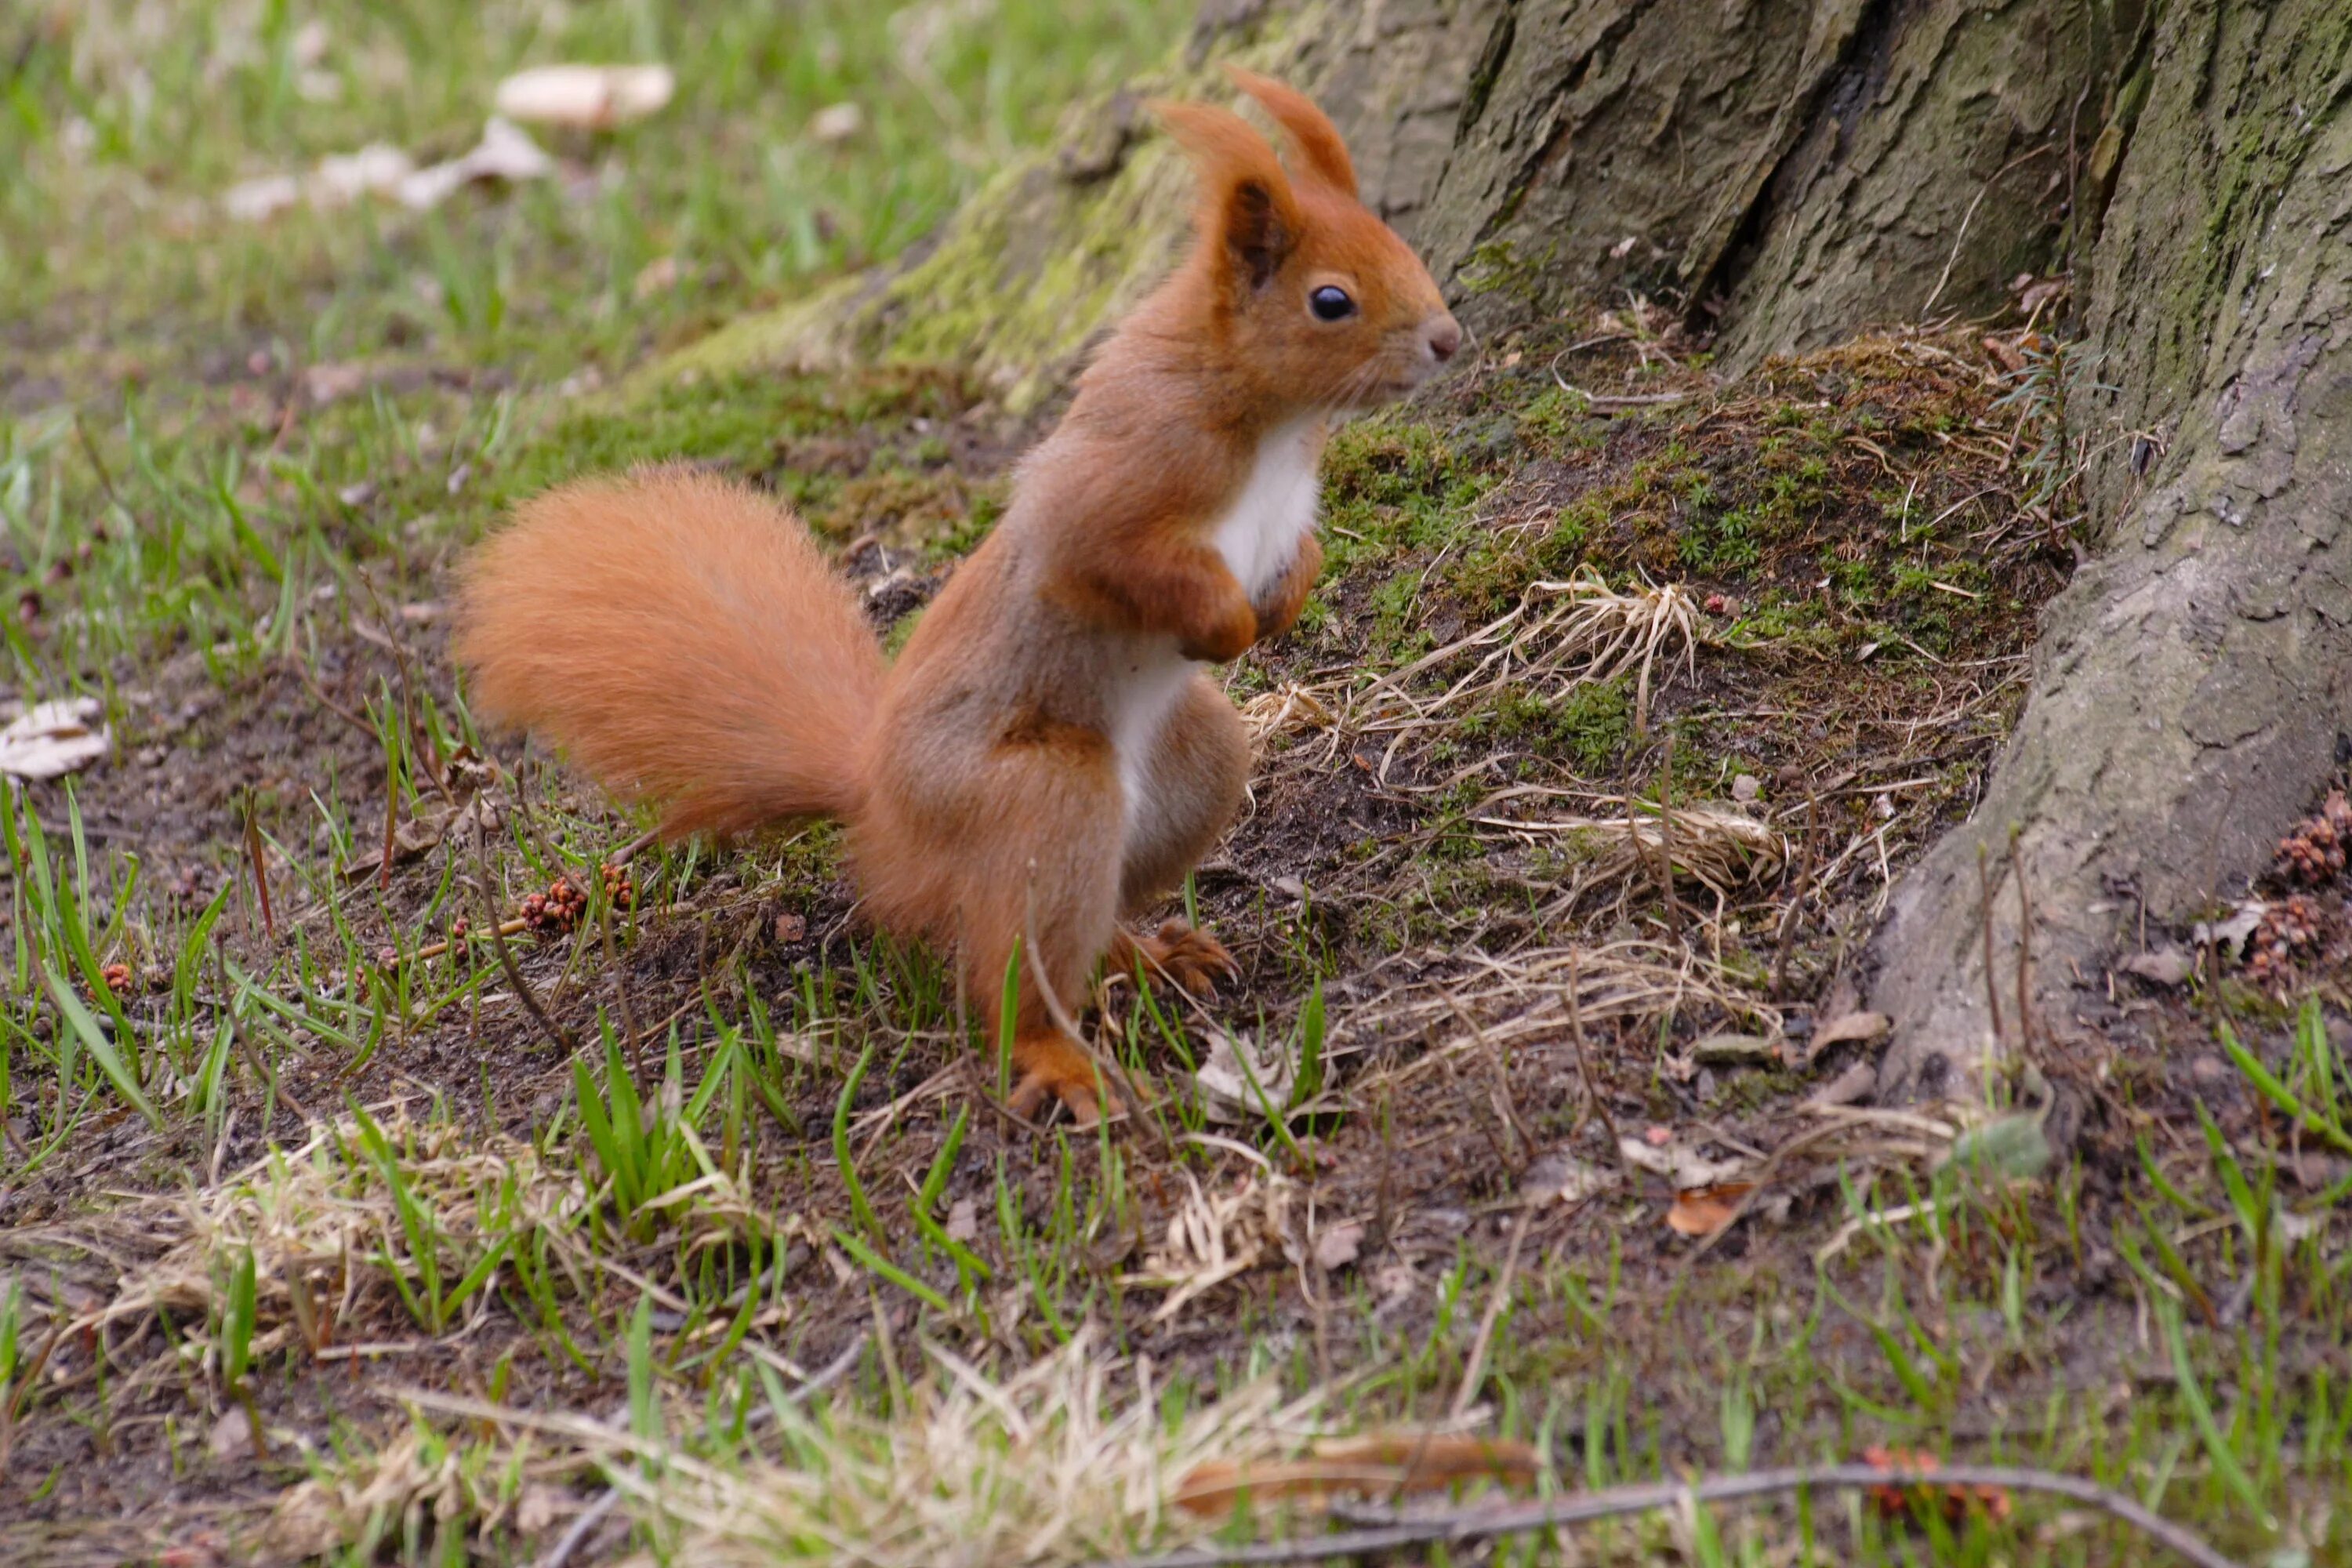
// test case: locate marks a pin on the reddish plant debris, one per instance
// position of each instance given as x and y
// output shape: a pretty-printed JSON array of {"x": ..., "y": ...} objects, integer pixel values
[
  {"x": 2312, "y": 855},
  {"x": 558, "y": 910},
  {"x": 1952, "y": 1502}
]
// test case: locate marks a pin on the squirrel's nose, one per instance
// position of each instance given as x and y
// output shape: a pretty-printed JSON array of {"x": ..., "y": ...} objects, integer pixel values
[{"x": 1443, "y": 336}]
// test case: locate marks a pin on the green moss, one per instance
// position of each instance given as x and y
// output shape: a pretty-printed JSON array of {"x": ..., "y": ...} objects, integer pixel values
[
  {"x": 1392, "y": 484},
  {"x": 736, "y": 421},
  {"x": 1587, "y": 728}
]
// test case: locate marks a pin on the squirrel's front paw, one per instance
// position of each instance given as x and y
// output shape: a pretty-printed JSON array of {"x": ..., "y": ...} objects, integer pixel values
[
  {"x": 1056, "y": 1065},
  {"x": 1227, "y": 638}
]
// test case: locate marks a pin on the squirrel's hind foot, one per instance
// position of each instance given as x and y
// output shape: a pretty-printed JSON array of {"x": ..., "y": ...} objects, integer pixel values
[
  {"x": 1052, "y": 1064},
  {"x": 1189, "y": 957}
]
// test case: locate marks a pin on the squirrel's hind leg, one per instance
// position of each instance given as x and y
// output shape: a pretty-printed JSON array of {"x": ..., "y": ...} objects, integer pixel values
[
  {"x": 1047, "y": 874},
  {"x": 1194, "y": 789}
]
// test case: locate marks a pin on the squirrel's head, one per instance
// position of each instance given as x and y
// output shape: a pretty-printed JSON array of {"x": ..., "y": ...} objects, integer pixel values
[{"x": 1309, "y": 296}]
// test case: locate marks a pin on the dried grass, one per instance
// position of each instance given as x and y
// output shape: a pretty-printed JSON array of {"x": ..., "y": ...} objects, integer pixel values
[
  {"x": 1559, "y": 636},
  {"x": 1626, "y": 839},
  {"x": 1072, "y": 1458},
  {"x": 1481, "y": 1001}
]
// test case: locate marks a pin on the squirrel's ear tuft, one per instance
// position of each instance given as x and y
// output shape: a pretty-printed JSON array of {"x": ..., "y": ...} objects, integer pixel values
[
  {"x": 1247, "y": 209},
  {"x": 1321, "y": 152}
]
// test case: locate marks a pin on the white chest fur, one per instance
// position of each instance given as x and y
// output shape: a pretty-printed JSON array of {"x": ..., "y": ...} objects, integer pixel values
[{"x": 1259, "y": 534}]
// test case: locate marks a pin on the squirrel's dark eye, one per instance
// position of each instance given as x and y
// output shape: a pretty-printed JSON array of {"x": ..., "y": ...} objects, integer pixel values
[{"x": 1330, "y": 303}]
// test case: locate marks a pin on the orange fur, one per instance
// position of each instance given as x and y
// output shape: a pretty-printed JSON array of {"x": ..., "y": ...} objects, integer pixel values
[
  {"x": 1045, "y": 758},
  {"x": 683, "y": 640}
]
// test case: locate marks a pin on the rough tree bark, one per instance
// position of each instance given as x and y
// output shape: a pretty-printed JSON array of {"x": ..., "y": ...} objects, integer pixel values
[{"x": 1790, "y": 176}]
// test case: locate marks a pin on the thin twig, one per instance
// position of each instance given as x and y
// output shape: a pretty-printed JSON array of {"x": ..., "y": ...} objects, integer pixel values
[
  {"x": 1592, "y": 1096},
  {"x": 260, "y": 874},
  {"x": 581, "y": 1528},
  {"x": 390, "y": 820},
  {"x": 636, "y": 846},
  {"x": 2025, "y": 1022},
  {"x": 530, "y": 998},
  {"x": 621, "y": 991},
  {"x": 1107, "y": 1070},
  {"x": 1459, "y": 1525},
  {"x": 1475, "y": 1372},
  {"x": 1985, "y": 886},
  {"x": 1788, "y": 937}
]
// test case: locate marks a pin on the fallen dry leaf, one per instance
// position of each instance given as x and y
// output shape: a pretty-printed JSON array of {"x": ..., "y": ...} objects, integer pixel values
[
  {"x": 2168, "y": 965},
  {"x": 1559, "y": 1175},
  {"x": 255, "y": 201},
  {"x": 331, "y": 383},
  {"x": 1853, "y": 1028},
  {"x": 655, "y": 276},
  {"x": 342, "y": 178},
  {"x": 1339, "y": 1246},
  {"x": 1379, "y": 1465},
  {"x": 504, "y": 152},
  {"x": 587, "y": 98},
  {"x": 964, "y": 1220},
  {"x": 1681, "y": 1163},
  {"x": 2230, "y": 934},
  {"x": 837, "y": 123},
  {"x": 1703, "y": 1211},
  {"x": 53, "y": 739},
  {"x": 1241, "y": 1083},
  {"x": 231, "y": 1435},
  {"x": 1854, "y": 1085},
  {"x": 1737, "y": 1050}
]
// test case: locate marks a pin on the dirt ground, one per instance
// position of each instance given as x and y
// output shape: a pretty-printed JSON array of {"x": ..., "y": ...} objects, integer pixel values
[{"x": 1541, "y": 1105}]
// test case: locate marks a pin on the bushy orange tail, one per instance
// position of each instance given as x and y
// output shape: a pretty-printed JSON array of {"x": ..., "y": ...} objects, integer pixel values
[{"x": 682, "y": 639}]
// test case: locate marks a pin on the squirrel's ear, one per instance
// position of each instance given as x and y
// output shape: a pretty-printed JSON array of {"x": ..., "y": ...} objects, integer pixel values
[
  {"x": 1320, "y": 150},
  {"x": 1247, "y": 209}
]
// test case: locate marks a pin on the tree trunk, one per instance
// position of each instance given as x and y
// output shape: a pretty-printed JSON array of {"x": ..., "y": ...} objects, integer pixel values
[
  {"x": 2191, "y": 687},
  {"x": 1789, "y": 177}
]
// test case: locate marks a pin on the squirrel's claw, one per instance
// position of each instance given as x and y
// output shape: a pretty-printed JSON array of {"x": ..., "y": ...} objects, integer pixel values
[
  {"x": 1052, "y": 1065},
  {"x": 1190, "y": 958}
]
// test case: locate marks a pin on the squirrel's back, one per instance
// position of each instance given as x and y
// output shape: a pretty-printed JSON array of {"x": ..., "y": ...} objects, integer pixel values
[{"x": 681, "y": 639}]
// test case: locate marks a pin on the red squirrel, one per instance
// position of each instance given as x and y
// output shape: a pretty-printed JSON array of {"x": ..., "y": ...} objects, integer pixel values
[{"x": 1047, "y": 755}]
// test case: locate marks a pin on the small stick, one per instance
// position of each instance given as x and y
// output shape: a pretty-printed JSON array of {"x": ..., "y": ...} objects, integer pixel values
[
  {"x": 1458, "y": 1525},
  {"x": 98, "y": 464},
  {"x": 636, "y": 846},
  {"x": 555, "y": 1031},
  {"x": 1584, "y": 1068},
  {"x": 581, "y": 1528},
  {"x": 1106, "y": 1065},
  {"x": 330, "y": 704},
  {"x": 390, "y": 820},
  {"x": 514, "y": 927},
  {"x": 1795, "y": 902},
  {"x": 2024, "y": 952},
  {"x": 621, "y": 990},
  {"x": 1475, "y": 1372},
  {"x": 1984, "y": 904},
  {"x": 260, "y": 874}
]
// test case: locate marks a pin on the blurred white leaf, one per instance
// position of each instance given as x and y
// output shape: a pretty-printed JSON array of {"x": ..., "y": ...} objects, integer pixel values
[
  {"x": 589, "y": 97},
  {"x": 53, "y": 739},
  {"x": 837, "y": 123},
  {"x": 505, "y": 153},
  {"x": 257, "y": 201},
  {"x": 344, "y": 178}
]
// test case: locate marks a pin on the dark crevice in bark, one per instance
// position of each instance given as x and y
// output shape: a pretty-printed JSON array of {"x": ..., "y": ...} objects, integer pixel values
[
  {"x": 1838, "y": 89},
  {"x": 1491, "y": 60},
  {"x": 1532, "y": 168}
]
